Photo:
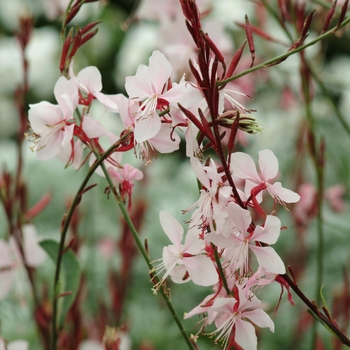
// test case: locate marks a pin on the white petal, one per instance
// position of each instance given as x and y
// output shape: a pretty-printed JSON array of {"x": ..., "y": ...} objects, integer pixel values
[
  {"x": 243, "y": 166},
  {"x": 43, "y": 114},
  {"x": 90, "y": 80},
  {"x": 270, "y": 232},
  {"x": 66, "y": 94},
  {"x": 200, "y": 173},
  {"x": 171, "y": 227},
  {"x": 268, "y": 259},
  {"x": 245, "y": 335},
  {"x": 201, "y": 270},
  {"x": 284, "y": 194},
  {"x": 268, "y": 164},
  {"x": 239, "y": 216},
  {"x": 147, "y": 127},
  {"x": 260, "y": 318},
  {"x": 108, "y": 101},
  {"x": 92, "y": 127},
  {"x": 164, "y": 141},
  {"x": 159, "y": 70}
]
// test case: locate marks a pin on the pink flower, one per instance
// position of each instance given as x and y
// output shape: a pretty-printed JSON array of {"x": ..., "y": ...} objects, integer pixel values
[
  {"x": 123, "y": 177},
  {"x": 89, "y": 81},
  {"x": 232, "y": 313},
  {"x": 165, "y": 141},
  {"x": 52, "y": 125},
  {"x": 239, "y": 242},
  {"x": 215, "y": 195},
  {"x": 242, "y": 166},
  {"x": 150, "y": 87},
  {"x": 184, "y": 262}
]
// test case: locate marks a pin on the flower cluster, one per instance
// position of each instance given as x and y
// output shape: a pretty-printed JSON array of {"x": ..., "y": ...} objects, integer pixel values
[
  {"x": 223, "y": 236},
  {"x": 220, "y": 224}
]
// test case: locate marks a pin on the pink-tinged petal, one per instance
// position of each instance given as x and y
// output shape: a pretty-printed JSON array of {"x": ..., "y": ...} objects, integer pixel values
[
  {"x": 125, "y": 109},
  {"x": 89, "y": 80},
  {"x": 268, "y": 259},
  {"x": 107, "y": 101},
  {"x": 179, "y": 274},
  {"x": 199, "y": 172},
  {"x": 270, "y": 232},
  {"x": 66, "y": 94},
  {"x": 245, "y": 335},
  {"x": 131, "y": 173},
  {"x": 268, "y": 164},
  {"x": 199, "y": 309},
  {"x": 243, "y": 166},
  {"x": 92, "y": 127},
  {"x": 187, "y": 97},
  {"x": 252, "y": 302},
  {"x": 260, "y": 318},
  {"x": 171, "y": 227},
  {"x": 239, "y": 216},
  {"x": 193, "y": 245},
  {"x": 33, "y": 253},
  {"x": 42, "y": 115},
  {"x": 138, "y": 88},
  {"x": 67, "y": 135},
  {"x": 282, "y": 193},
  {"x": 165, "y": 141},
  {"x": 147, "y": 127},
  {"x": 49, "y": 146},
  {"x": 201, "y": 270},
  {"x": 159, "y": 71},
  {"x": 219, "y": 240}
]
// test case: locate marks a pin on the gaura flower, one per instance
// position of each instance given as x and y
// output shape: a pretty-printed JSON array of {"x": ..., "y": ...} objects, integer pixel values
[{"x": 184, "y": 262}]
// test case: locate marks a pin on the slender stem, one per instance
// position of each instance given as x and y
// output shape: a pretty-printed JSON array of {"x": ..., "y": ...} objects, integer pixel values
[
  {"x": 340, "y": 335},
  {"x": 285, "y": 55},
  {"x": 64, "y": 231},
  {"x": 155, "y": 278},
  {"x": 76, "y": 200}
]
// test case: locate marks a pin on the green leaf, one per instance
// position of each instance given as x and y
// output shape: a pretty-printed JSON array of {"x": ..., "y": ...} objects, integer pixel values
[{"x": 69, "y": 278}]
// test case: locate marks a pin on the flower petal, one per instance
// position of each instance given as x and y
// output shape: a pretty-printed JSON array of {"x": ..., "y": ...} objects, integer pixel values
[
  {"x": 270, "y": 232},
  {"x": 171, "y": 227},
  {"x": 201, "y": 270},
  {"x": 147, "y": 127},
  {"x": 284, "y": 194},
  {"x": 268, "y": 259},
  {"x": 268, "y": 164},
  {"x": 243, "y": 166},
  {"x": 159, "y": 71},
  {"x": 260, "y": 318},
  {"x": 239, "y": 216},
  {"x": 90, "y": 80},
  {"x": 245, "y": 335}
]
